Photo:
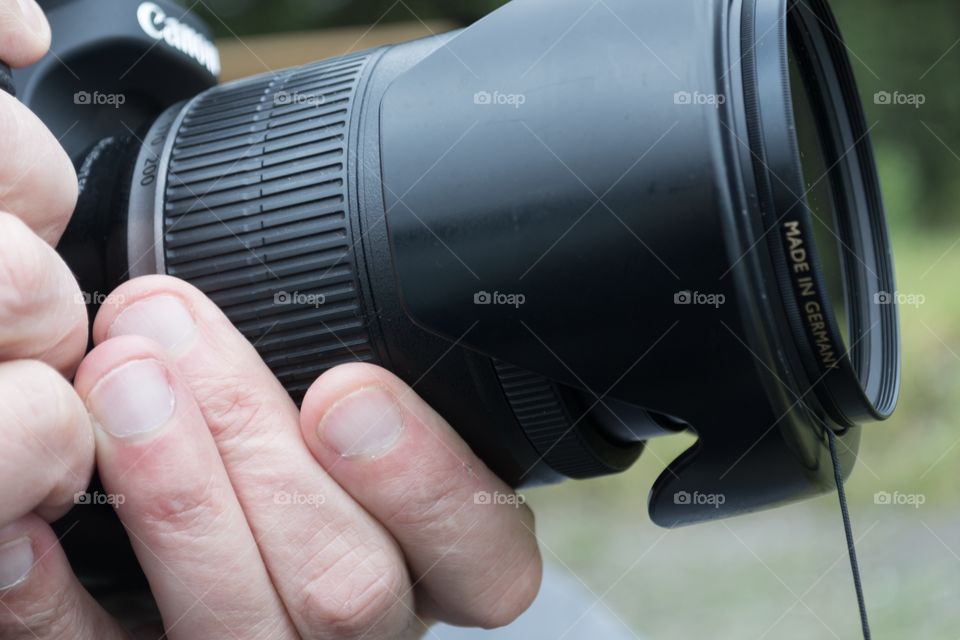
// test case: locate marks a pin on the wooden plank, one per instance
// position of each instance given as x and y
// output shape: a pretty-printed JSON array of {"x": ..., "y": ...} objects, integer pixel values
[{"x": 253, "y": 55}]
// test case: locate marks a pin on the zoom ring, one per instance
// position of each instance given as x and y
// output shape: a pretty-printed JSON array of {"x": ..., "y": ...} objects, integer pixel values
[{"x": 257, "y": 215}]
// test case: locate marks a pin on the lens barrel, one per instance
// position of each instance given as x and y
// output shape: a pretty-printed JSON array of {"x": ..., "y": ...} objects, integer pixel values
[{"x": 571, "y": 227}]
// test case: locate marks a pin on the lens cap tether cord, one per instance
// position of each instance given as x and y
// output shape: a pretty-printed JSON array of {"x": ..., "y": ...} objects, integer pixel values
[{"x": 848, "y": 531}]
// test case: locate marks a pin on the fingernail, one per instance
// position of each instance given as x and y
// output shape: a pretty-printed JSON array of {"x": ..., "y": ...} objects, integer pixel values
[
  {"x": 133, "y": 399},
  {"x": 366, "y": 423},
  {"x": 33, "y": 16},
  {"x": 16, "y": 560},
  {"x": 163, "y": 319}
]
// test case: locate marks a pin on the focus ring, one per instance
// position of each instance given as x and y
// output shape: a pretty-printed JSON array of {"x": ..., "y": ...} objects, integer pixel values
[
  {"x": 560, "y": 441},
  {"x": 257, "y": 215}
]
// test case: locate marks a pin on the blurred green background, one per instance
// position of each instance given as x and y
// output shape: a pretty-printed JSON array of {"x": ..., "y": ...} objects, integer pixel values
[{"x": 784, "y": 574}]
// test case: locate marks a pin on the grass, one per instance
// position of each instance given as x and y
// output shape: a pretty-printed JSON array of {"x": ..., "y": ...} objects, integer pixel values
[{"x": 784, "y": 574}]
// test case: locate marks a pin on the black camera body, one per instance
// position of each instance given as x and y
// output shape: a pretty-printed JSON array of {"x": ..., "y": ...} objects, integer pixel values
[
  {"x": 115, "y": 64},
  {"x": 570, "y": 227}
]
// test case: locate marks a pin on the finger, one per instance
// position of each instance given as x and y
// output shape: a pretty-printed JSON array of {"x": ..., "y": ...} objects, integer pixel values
[
  {"x": 37, "y": 179},
  {"x": 468, "y": 538},
  {"x": 40, "y": 598},
  {"x": 42, "y": 316},
  {"x": 47, "y": 442},
  {"x": 24, "y": 32},
  {"x": 339, "y": 572},
  {"x": 155, "y": 454}
]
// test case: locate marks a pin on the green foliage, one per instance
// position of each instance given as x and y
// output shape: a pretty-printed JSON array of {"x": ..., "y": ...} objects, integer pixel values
[{"x": 911, "y": 48}]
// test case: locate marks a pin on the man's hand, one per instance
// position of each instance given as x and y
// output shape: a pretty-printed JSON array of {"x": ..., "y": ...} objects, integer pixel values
[
  {"x": 47, "y": 440},
  {"x": 356, "y": 517},
  {"x": 360, "y": 516}
]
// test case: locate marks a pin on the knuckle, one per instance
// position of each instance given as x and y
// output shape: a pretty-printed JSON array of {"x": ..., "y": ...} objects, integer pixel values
[
  {"x": 40, "y": 399},
  {"x": 231, "y": 404},
  {"x": 11, "y": 116},
  {"x": 19, "y": 44},
  {"x": 430, "y": 501},
  {"x": 38, "y": 315},
  {"x": 358, "y": 592},
  {"x": 176, "y": 510},
  {"x": 54, "y": 615},
  {"x": 23, "y": 269},
  {"x": 45, "y": 426}
]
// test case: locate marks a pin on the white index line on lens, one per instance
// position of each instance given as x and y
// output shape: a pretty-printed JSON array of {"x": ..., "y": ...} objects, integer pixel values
[
  {"x": 199, "y": 199},
  {"x": 283, "y": 75}
]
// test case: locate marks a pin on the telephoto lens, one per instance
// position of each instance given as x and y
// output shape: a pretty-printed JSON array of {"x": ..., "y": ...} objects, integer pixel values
[{"x": 572, "y": 227}]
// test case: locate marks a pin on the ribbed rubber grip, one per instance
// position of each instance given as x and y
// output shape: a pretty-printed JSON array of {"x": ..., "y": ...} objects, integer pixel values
[
  {"x": 257, "y": 215},
  {"x": 540, "y": 410}
]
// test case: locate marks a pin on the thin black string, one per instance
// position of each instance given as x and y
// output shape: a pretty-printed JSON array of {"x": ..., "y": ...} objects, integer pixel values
[{"x": 848, "y": 531}]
